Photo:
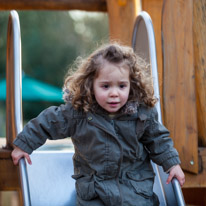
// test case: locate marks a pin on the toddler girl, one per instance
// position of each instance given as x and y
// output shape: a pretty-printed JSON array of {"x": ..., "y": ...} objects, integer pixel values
[{"x": 110, "y": 116}]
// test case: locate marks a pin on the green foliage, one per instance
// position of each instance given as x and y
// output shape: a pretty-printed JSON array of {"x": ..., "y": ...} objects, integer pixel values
[
  {"x": 51, "y": 41},
  {"x": 3, "y": 33}
]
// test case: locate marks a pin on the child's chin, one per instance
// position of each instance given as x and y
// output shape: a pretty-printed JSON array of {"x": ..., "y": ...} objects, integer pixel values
[{"x": 113, "y": 111}]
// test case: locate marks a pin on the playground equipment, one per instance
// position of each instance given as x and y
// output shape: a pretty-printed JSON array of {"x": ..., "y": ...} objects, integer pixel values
[
  {"x": 40, "y": 183},
  {"x": 143, "y": 43}
]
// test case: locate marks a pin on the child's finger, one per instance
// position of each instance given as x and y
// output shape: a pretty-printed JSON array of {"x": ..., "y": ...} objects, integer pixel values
[
  {"x": 181, "y": 180},
  {"x": 28, "y": 159},
  {"x": 169, "y": 178},
  {"x": 15, "y": 158},
  {"x": 15, "y": 161}
]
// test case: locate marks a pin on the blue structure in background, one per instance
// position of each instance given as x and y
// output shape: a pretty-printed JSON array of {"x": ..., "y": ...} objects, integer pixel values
[{"x": 34, "y": 90}]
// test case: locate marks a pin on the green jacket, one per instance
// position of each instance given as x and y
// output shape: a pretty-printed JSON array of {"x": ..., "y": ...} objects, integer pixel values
[{"x": 112, "y": 155}]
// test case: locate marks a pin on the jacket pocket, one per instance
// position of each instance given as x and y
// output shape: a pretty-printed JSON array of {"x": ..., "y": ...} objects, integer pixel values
[
  {"x": 142, "y": 182},
  {"x": 85, "y": 187}
]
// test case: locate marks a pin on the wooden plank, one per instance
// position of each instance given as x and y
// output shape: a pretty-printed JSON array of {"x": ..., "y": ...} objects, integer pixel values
[
  {"x": 154, "y": 9},
  {"x": 9, "y": 174},
  {"x": 199, "y": 42},
  {"x": 122, "y": 15},
  {"x": 194, "y": 196},
  {"x": 179, "y": 84},
  {"x": 197, "y": 180},
  {"x": 88, "y": 5},
  {"x": 5, "y": 154},
  {"x": 10, "y": 198}
]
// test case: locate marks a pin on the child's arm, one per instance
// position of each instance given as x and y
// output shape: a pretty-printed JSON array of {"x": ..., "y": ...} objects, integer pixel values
[
  {"x": 157, "y": 141},
  {"x": 177, "y": 172},
  {"x": 160, "y": 147},
  {"x": 52, "y": 123},
  {"x": 17, "y": 154}
]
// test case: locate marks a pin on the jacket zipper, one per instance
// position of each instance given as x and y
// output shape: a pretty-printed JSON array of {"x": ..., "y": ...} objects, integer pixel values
[{"x": 121, "y": 154}]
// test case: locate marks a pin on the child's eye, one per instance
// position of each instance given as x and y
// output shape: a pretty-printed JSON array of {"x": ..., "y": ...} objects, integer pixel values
[
  {"x": 122, "y": 86},
  {"x": 105, "y": 86}
]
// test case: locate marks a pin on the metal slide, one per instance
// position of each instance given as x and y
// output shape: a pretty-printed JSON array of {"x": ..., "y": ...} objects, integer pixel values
[
  {"x": 48, "y": 180},
  {"x": 143, "y": 43}
]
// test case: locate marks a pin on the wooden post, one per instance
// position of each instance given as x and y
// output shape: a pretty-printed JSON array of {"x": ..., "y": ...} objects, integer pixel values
[
  {"x": 122, "y": 15},
  {"x": 179, "y": 80},
  {"x": 199, "y": 41}
]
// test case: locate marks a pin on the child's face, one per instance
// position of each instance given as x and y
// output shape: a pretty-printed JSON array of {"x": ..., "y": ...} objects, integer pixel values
[{"x": 111, "y": 87}]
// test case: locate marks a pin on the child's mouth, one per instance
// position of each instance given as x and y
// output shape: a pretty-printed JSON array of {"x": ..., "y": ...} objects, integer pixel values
[{"x": 113, "y": 104}]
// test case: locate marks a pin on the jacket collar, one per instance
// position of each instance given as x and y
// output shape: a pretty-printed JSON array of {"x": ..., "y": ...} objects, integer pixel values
[
  {"x": 101, "y": 119},
  {"x": 128, "y": 109},
  {"x": 101, "y": 122}
]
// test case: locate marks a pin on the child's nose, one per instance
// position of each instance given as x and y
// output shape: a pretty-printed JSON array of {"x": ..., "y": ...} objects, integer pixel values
[{"x": 113, "y": 92}]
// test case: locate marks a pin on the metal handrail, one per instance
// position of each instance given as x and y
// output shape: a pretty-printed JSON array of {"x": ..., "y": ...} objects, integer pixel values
[
  {"x": 13, "y": 79},
  {"x": 153, "y": 62},
  {"x": 14, "y": 90}
]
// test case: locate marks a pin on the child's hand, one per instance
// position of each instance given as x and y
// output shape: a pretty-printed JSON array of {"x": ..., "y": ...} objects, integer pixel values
[
  {"x": 177, "y": 172},
  {"x": 17, "y": 154}
]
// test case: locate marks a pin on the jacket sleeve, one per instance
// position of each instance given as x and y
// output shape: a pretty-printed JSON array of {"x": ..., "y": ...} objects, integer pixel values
[
  {"x": 53, "y": 123},
  {"x": 158, "y": 143}
]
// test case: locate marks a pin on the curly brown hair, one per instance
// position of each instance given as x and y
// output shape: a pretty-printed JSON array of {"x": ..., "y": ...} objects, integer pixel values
[{"x": 78, "y": 87}]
